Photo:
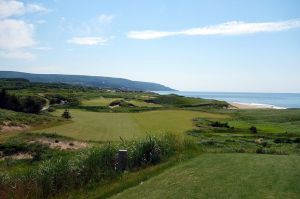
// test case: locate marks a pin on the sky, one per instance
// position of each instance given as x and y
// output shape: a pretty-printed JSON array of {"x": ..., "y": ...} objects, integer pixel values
[{"x": 190, "y": 45}]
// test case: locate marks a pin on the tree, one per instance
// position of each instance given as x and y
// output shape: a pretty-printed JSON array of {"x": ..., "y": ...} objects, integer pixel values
[
  {"x": 32, "y": 105},
  {"x": 66, "y": 114}
]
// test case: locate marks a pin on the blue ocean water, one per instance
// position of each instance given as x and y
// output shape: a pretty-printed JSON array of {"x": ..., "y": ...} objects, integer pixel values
[{"x": 275, "y": 100}]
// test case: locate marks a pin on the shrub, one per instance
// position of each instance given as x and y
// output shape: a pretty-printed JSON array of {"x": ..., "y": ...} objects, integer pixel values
[
  {"x": 297, "y": 140},
  {"x": 253, "y": 129},
  {"x": 220, "y": 124},
  {"x": 260, "y": 151},
  {"x": 51, "y": 109}
]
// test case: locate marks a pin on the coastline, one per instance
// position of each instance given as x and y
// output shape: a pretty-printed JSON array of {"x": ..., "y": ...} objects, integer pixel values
[
  {"x": 240, "y": 105},
  {"x": 245, "y": 100}
]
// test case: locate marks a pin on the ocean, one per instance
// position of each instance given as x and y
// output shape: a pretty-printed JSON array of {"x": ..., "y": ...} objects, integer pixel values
[{"x": 268, "y": 100}]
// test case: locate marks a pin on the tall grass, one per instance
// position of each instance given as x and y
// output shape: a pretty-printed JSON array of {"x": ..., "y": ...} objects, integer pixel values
[{"x": 87, "y": 167}]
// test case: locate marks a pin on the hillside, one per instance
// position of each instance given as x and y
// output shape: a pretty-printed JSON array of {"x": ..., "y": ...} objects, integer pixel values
[{"x": 93, "y": 81}]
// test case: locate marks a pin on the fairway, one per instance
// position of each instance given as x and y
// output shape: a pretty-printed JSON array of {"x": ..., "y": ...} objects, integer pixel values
[
  {"x": 110, "y": 126},
  {"x": 224, "y": 176},
  {"x": 101, "y": 101}
]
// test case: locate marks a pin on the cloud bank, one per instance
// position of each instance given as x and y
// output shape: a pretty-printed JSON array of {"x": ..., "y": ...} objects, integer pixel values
[{"x": 228, "y": 28}]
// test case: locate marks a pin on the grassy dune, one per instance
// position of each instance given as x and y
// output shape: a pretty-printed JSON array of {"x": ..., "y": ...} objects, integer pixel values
[
  {"x": 225, "y": 176},
  {"x": 110, "y": 126}
]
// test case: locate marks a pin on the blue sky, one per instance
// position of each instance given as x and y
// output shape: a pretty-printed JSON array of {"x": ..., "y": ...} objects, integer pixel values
[{"x": 194, "y": 45}]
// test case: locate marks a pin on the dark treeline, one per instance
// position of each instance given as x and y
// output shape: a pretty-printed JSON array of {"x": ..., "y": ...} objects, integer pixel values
[{"x": 28, "y": 104}]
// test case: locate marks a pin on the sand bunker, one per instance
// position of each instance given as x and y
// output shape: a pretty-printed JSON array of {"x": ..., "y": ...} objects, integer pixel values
[{"x": 63, "y": 144}]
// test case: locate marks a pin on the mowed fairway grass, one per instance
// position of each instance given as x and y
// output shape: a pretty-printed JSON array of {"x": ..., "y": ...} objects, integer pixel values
[
  {"x": 87, "y": 125},
  {"x": 224, "y": 176},
  {"x": 106, "y": 101},
  {"x": 100, "y": 101}
]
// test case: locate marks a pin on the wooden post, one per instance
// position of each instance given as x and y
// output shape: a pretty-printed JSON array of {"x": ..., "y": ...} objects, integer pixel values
[{"x": 122, "y": 160}]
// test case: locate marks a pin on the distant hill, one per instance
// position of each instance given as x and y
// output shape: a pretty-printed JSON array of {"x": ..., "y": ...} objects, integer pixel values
[{"x": 93, "y": 81}]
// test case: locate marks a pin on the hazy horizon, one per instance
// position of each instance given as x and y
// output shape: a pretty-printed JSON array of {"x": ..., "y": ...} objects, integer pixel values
[{"x": 208, "y": 46}]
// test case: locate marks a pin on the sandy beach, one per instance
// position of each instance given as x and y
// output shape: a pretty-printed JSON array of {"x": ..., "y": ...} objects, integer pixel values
[{"x": 253, "y": 106}]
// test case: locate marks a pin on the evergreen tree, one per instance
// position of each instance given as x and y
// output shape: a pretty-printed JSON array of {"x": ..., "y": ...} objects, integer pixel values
[{"x": 66, "y": 114}]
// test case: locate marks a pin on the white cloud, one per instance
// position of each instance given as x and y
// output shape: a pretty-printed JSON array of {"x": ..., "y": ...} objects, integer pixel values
[
  {"x": 10, "y": 8},
  {"x": 42, "y": 48},
  {"x": 88, "y": 41},
  {"x": 17, "y": 54},
  {"x": 35, "y": 8},
  {"x": 228, "y": 28},
  {"x": 15, "y": 34},
  {"x": 105, "y": 19}
]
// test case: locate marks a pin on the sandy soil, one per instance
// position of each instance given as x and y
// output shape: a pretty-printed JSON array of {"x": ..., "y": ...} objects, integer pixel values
[
  {"x": 63, "y": 144},
  {"x": 7, "y": 127},
  {"x": 18, "y": 156},
  {"x": 247, "y": 106}
]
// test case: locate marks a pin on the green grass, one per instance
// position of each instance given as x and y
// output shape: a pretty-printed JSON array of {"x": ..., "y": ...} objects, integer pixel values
[
  {"x": 224, "y": 176},
  {"x": 269, "y": 120},
  {"x": 100, "y": 101},
  {"x": 110, "y": 126},
  {"x": 180, "y": 101},
  {"x": 143, "y": 104}
]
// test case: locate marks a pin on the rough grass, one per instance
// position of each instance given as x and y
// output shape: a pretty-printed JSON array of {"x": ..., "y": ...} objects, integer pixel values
[
  {"x": 87, "y": 167},
  {"x": 110, "y": 126},
  {"x": 224, "y": 176},
  {"x": 269, "y": 120}
]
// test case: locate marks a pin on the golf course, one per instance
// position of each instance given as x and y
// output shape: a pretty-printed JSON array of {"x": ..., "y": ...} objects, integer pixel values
[
  {"x": 63, "y": 141},
  {"x": 96, "y": 126},
  {"x": 224, "y": 176}
]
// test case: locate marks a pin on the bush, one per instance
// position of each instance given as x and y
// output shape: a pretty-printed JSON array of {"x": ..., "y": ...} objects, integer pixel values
[
  {"x": 51, "y": 109},
  {"x": 260, "y": 151},
  {"x": 297, "y": 140},
  {"x": 220, "y": 124},
  {"x": 253, "y": 129}
]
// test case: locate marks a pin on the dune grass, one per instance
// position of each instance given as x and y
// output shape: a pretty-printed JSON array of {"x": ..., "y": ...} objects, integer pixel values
[
  {"x": 110, "y": 126},
  {"x": 224, "y": 176}
]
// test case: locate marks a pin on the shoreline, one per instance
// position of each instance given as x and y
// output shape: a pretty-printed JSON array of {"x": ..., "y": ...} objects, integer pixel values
[{"x": 241, "y": 105}]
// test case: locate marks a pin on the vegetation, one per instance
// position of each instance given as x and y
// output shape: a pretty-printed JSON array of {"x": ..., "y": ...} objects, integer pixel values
[
  {"x": 66, "y": 114},
  {"x": 94, "y": 81},
  {"x": 180, "y": 101},
  {"x": 224, "y": 176},
  {"x": 84, "y": 127},
  {"x": 21, "y": 104},
  {"x": 88, "y": 125},
  {"x": 89, "y": 166}
]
